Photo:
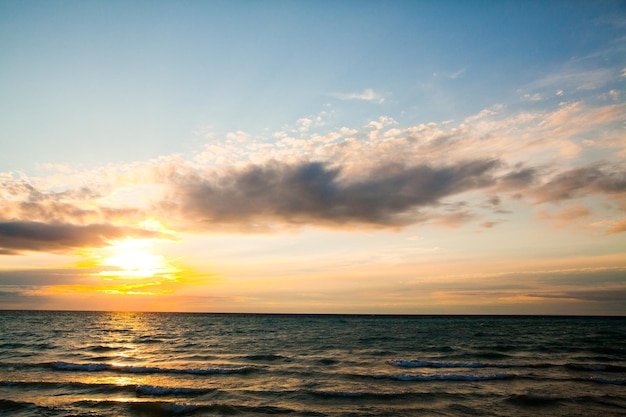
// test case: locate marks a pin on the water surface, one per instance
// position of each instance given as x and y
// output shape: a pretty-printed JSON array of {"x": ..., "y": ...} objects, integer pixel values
[{"x": 161, "y": 364}]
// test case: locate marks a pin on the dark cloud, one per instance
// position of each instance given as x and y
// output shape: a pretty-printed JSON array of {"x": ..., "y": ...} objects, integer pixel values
[
  {"x": 518, "y": 179},
  {"x": 33, "y": 278},
  {"x": 24, "y": 299},
  {"x": 492, "y": 201},
  {"x": 313, "y": 192},
  {"x": 18, "y": 236},
  {"x": 596, "y": 179}
]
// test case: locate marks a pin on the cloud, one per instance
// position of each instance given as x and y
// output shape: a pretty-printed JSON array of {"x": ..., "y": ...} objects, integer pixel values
[
  {"x": 367, "y": 95},
  {"x": 518, "y": 179},
  {"x": 238, "y": 136},
  {"x": 601, "y": 295},
  {"x": 20, "y": 200},
  {"x": 304, "y": 124},
  {"x": 617, "y": 227},
  {"x": 24, "y": 279},
  {"x": 381, "y": 173},
  {"x": 599, "y": 178},
  {"x": 19, "y": 236},
  {"x": 573, "y": 78},
  {"x": 451, "y": 75},
  {"x": 319, "y": 193},
  {"x": 566, "y": 216},
  {"x": 457, "y": 74},
  {"x": 532, "y": 97}
]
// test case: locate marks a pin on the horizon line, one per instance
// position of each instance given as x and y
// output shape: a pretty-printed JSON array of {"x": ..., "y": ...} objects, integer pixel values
[{"x": 243, "y": 313}]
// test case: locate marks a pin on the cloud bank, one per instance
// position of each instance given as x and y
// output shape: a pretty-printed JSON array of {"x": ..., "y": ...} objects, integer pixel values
[{"x": 381, "y": 174}]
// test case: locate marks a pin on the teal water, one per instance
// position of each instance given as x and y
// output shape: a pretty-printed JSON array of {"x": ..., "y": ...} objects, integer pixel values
[{"x": 161, "y": 364}]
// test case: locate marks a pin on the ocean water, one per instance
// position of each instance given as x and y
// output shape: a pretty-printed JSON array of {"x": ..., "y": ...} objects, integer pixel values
[{"x": 145, "y": 364}]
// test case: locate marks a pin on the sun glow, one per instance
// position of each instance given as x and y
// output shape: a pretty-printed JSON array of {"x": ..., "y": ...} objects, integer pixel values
[{"x": 132, "y": 259}]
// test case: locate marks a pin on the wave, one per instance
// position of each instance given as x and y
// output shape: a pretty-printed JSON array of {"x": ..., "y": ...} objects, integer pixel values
[
  {"x": 528, "y": 400},
  {"x": 368, "y": 395},
  {"x": 44, "y": 385},
  {"x": 165, "y": 408},
  {"x": 595, "y": 367},
  {"x": 29, "y": 346},
  {"x": 266, "y": 357},
  {"x": 403, "y": 363},
  {"x": 13, "y": 345},
  {"x": 148, "y": 340},
  {"x": 153, "y": 391},
  {"x": 440, "y": 377},
  {"x": 139, "y": 390},
  {"x": 24, "y": 407},
  {"x": 10, "y": 405},
  {"x": 609, "y": 381},
  {"x": 614, "y": 402},
  {"x": 327, "y": 361},
  {"x": 198, "y": 358},
  {"x": 103, "y": 348},
  {"x": 102, "y": 367},
  {"x": 610, "y": 350},
  {"x": 219, "y": 408}
]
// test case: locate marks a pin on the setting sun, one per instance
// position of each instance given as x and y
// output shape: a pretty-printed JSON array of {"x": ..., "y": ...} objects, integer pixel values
[{"x": 133, "y": 260}]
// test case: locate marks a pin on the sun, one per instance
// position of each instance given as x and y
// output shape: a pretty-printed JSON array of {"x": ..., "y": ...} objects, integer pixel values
[{"x": 132, "y": 259}]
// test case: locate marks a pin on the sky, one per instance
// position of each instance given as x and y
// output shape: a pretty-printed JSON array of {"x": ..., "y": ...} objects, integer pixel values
[{"x": 397, "y": 157}]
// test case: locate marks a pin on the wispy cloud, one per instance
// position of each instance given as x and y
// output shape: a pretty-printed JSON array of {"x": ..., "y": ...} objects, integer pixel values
[
  {"x": 574, "y": 79},
  {"x": 617, "y": 226},
  {"x": 457, "y": 74},
  {"x": 367, "y": 95},
  {"x": 451, "y": 75}
]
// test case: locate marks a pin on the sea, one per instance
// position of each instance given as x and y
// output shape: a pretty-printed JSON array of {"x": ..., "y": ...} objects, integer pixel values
[{"x": 176, "y": 364}]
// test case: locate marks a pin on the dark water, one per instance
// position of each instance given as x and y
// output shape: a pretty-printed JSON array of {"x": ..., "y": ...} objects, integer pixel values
[{"x": 138, "y": 364}]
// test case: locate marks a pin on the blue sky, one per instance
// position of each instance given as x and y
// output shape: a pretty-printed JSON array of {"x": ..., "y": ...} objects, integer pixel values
[
  {"x": 135, "y": 80},
  {"x": 448, "y": 131}
]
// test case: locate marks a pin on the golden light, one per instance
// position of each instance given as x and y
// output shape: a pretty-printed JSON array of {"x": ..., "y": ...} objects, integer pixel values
[
  {"x": 132, "y": 259},
  {"x": 131, "y": 267}
]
